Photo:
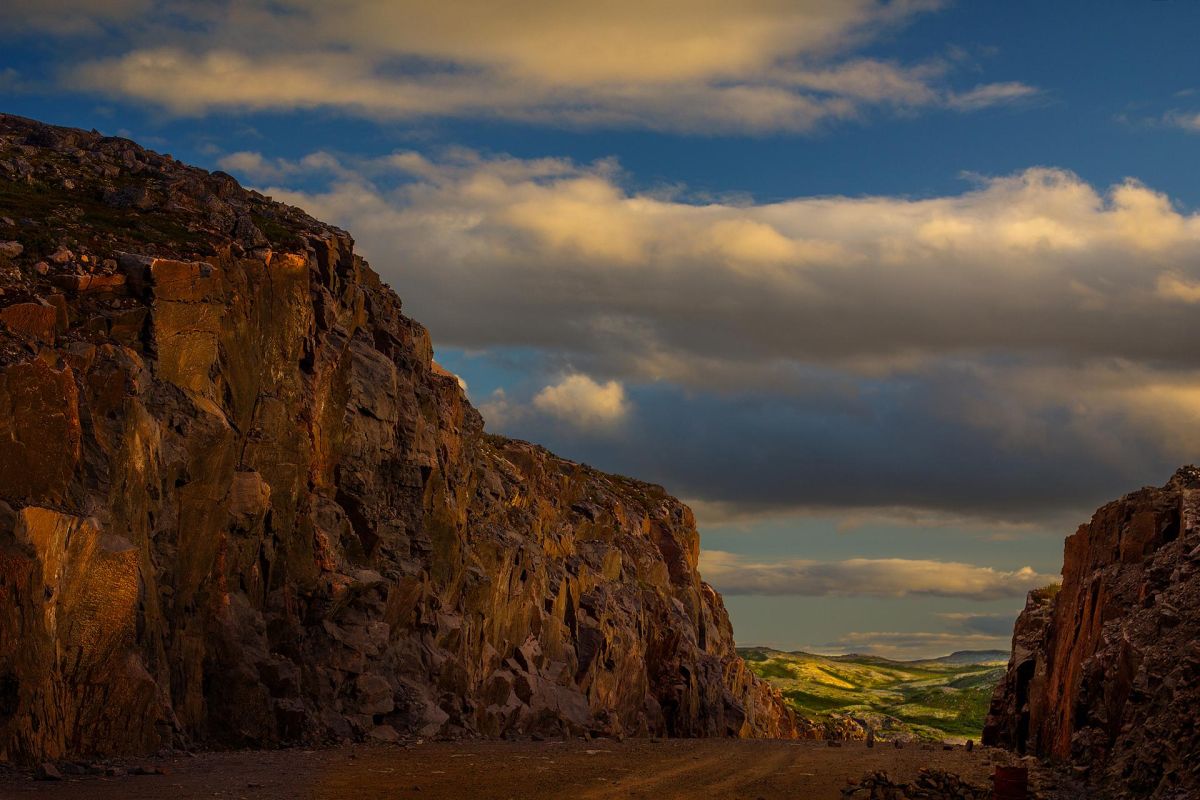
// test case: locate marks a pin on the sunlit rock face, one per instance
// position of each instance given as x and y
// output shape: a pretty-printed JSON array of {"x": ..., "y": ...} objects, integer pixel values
[
  {"x": 241, "y": 506},
  {"x": 1105, "y": 673}
]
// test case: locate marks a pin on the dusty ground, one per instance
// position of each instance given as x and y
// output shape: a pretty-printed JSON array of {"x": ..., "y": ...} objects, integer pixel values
[{"x": 656, "y": 770}]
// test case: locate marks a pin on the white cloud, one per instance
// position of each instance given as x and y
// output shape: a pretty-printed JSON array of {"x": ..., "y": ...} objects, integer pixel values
[
  {"x": 992, "y": 94},
  {"x": 1187, "y": 120},
  {"x": 576, "y": 400},
  {"x": 757, "y": 65},
  {"x": 583, "y": 402},
  {"x": 733, "y": 574},
  {"x": 254, "y": 166},
  {"x": 498, "y": 411}
]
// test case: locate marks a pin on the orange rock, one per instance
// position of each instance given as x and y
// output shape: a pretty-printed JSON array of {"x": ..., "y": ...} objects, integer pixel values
[
  {"x": 31, "y": 320},
  {"x": 90, "y": 283},
  {"x": 39, "y": 431}
]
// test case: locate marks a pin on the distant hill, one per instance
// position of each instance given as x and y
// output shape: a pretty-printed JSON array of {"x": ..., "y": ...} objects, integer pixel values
[
  {"x": 931, "y": 699},
  {"x": 974, "y": 657}
]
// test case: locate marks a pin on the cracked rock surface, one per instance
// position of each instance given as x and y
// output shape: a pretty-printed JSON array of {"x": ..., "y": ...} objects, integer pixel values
[
  {"x": 1105, "y": 672},
  {"x": 240, "y": 505}
]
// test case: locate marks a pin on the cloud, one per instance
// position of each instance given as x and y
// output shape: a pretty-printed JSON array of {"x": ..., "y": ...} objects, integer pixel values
[
  {"x": 1176, "y": 287},
  {"x": 758, "y": 65},
  {"x": 576, "y": 400},
  {"x": 582, "y": 401},
  {"x": 1186, "y": 120},
  {"x": 733, "y": 574},
  {"x": 696, "y": 291},
  {"x": 998, "y": 625},
  {"x": 255, "y": 167},
  {"x": 497, "y": 411},
  {"x": 992, "y": 94},
  {"x": 10, "y": 80},
  {"x": 965, "y": 353},
  {"x": 67, "y": 17},
  {"x": 910, "y": 645}
]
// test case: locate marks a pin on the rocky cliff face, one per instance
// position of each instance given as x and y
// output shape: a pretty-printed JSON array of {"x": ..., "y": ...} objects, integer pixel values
[
  {"x": 1105, "y": 673},
  {"x": 241, "y": 506}
]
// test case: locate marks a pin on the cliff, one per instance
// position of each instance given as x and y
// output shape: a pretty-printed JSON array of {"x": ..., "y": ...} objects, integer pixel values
[
  {"x": 240, "y": 505},
  {"x": 1105, "y": 672}
]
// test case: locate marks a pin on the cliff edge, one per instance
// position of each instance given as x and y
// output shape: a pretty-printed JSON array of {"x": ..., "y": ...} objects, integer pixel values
[
  {"x": 240, "y": 505},
  {"x": 1105, "y": 671}
]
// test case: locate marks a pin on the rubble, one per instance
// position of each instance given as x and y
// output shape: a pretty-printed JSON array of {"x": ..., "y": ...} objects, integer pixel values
[{"x": 930, "y": 784}]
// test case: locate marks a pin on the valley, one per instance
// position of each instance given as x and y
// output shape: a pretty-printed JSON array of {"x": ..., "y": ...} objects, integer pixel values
[{"x": 929, "y": 700}]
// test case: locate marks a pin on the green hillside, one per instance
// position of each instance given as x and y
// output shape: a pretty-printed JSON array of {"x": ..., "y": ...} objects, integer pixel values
[{"x": 935, "y": 699}]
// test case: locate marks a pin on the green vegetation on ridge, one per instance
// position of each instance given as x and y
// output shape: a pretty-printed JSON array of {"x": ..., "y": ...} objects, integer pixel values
[{"x": 931, "y": 699}]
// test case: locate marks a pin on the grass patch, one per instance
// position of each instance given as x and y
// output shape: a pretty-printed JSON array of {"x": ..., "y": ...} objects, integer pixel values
[{"x": 931, "y": 699}]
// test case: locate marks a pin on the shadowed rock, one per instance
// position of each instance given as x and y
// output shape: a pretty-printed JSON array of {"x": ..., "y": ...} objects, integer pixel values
[
  {"x": 241, "y": 506},
  {"x": 1105, "y": 673}
]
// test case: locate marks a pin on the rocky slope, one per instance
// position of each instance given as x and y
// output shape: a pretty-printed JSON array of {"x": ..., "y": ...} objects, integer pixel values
[
  {"x": 241, "y": 506},
  {"x": 1105, "y": 672}
]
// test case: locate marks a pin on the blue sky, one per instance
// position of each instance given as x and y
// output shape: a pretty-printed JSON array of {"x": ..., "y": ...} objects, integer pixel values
[{"x": 893, "y": 293}]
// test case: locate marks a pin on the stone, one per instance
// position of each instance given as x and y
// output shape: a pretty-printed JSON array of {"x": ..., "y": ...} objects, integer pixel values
[
  {"x": 149, "y": 769},
  {"x": 384, "y": 734},
  {"x": 1099, "y": 677},
  {"x": 930, "y": 784},
  {"x": 285, "y": 526},
  {"x": 89, "y": 282},
  {"x": 40, "y": 431},
  {"x": 11, "y": 249},
  {"x": 249, "y": 496},
  {"x": 31, "y": 320},
  {"x": 47, "y": 771},
  {"x": 375, "y": 694}
]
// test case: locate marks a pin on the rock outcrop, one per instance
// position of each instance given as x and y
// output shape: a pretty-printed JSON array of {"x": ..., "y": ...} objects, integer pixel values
[
  {"x": 1105, "y": 672},
  {"x": 240, "y": 505}
]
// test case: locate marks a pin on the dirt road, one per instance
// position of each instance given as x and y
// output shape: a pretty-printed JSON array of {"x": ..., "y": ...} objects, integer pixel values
[{"x": 518, "y": 770}]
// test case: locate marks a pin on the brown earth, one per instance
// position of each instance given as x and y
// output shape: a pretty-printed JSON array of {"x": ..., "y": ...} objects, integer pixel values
[{"x": 671, "y": 768}]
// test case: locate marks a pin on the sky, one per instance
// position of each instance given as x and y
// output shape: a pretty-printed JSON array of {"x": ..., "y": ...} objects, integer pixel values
[{"x": 894, "y": 294}]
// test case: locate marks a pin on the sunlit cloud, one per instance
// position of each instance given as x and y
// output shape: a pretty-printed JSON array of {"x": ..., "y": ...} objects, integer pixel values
[
  {"x": 582, "y": 401},
  {"x": 909, "y": 645},
  {"x": 734, "y": 574},
  {"x": 757, "y": 66},
  {"x": 1030, "y": 320},
  {"x": 877, "y": 285}
]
